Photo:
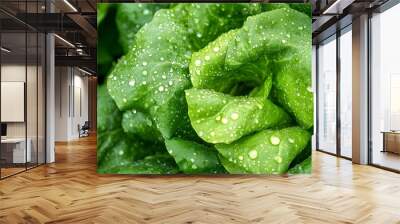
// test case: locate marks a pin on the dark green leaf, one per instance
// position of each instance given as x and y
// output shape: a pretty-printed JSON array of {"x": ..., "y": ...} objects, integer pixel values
[
  {"x": 157, "y": 164},
  {"x": 304, "y": 167},
  {"x": 193, "y": 157}
]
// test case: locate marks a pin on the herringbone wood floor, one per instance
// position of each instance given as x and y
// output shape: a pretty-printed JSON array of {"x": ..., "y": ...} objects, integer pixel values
[{"x": 70, "y": 191}]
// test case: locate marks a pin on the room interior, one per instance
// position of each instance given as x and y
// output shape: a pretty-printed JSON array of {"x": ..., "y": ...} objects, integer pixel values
[
  {"x": 334, "y": 74},
  {"x": 48, "y": 92},
  {"x": 22, "y": 102}
]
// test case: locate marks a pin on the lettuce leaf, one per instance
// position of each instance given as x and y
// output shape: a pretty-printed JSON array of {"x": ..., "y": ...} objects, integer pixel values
[
  {"x": 152, "y": 77},
  {"x": 283, "y": 36},
  {"x": 108, "y": 50},
  {"x": 266, "y": 152},
  {"x": 155, "y": 164},
  {"x": 248, "y": 80},
  {"x": 114, "y": 147},
  {"x": 139, "y": 124},
  {"x": 221, "y": 118},
  {"x": 131, "y": 17},
  {"x": 193, "y": 157},
  {"x": 231, "y": 167},
  {"x": 305, "y": 167},
  {"x": 102, "y": 11}
]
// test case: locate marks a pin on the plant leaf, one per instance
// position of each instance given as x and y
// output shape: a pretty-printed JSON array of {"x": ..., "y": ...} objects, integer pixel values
[
  {"x": 304, "y": 167},
  {"x": 131, "y": 17},
  {"x": 266, "y": 152},
  {"x": 193, "y": 157},
  {"x": 221, "y": 118},
  {"x": 156, "y": 164}
]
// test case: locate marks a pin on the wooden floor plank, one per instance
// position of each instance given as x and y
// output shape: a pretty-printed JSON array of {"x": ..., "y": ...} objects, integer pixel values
[{"x": 70, "y": 191}]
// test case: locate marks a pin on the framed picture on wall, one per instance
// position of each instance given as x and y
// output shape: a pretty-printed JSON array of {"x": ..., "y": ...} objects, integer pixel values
[{"x": 204, "y": 88}]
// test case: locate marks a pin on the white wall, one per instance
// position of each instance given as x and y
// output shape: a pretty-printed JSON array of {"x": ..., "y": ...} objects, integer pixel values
[
  {"x": 70, "y": 83},
  {"x": 62, "y": 81}
]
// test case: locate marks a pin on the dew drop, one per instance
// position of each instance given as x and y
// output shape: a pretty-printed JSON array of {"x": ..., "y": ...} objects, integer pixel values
[
  {"x": 234, "y": 116},
  {"x": 309, "y": 89},
  {"x": 132, "y": 82},
  {"x": 283, "y": 41},
  {"x": 224, "y": 120},
  {"x": 278, "y": 159},
  {"x": 144, "y": 63},
  {"x": 170, "y": 83},
  {"x": 291, "y": 140},
  {"x": 253, "y": 154},
  {"x": 144, "y": 72},
  {"x": 207, "y": 57},
  {"x": 216, "y": 49},
  {"x": 194, "y": 166},
  {"x": 275, "y": 140},
  {"x": 218, "y": 118},
  {"x": 240, "y": 157},
  {"x": 198, "y": 62},
  {"x": 161, "y": 88}
]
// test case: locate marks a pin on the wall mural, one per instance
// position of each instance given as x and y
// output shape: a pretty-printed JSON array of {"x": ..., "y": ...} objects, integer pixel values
[{"x": 204, "y": 88}]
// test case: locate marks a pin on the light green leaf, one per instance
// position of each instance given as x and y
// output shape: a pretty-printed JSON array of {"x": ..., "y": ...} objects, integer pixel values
[
  {"x": 207, "y": 21},
  {"x": 283, "y": 36},
  {"x": 276, "y": 42},
  {"x": 266, "y": 152},
  {"x": 221, "y": 118},
  {"x": 231, "y": 167},
  {"x": 131, "y": 17},
  {"x": 152, "y": 77}
]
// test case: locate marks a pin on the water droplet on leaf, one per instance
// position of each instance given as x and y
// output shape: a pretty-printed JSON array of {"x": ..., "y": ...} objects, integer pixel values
[{"x": 253, "y": 154}]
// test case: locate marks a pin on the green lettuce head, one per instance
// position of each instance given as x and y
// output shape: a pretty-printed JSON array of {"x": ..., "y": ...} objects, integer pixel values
[{"x": 211, "y": 88}]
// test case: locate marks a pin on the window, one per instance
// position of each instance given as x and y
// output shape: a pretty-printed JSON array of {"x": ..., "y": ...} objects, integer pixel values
[
  {"x": 346, "y": 92},
  {"x": 327, "y": 95},
  {"x": 385, "y": 89},
  {"x": 22, "y": 77}
]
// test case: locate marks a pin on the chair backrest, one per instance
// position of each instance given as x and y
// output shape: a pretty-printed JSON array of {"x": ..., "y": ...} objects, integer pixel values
[{"x": 86, "y": 124}]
